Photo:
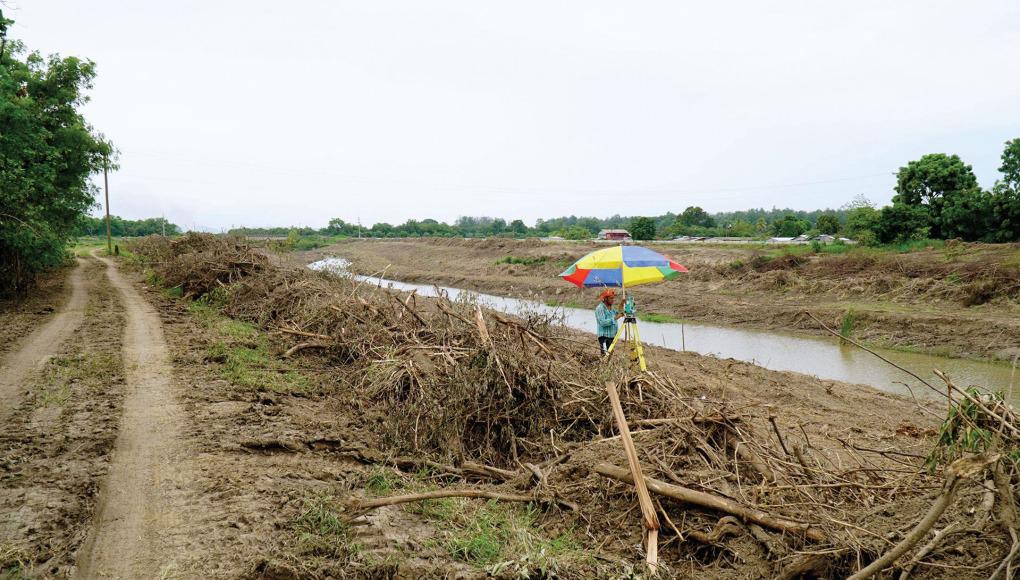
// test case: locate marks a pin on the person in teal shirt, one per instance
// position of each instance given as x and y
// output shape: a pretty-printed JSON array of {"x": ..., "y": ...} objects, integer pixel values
[{"x": 605, "y": 320}]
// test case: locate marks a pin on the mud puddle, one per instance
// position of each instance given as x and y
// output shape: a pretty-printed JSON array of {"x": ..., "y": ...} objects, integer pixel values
[{"x": 817, "y": 356}]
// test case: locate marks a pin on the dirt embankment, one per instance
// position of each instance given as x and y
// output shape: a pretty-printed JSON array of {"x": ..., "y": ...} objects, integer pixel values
[
  {"x": 386, "y": 394},
  {"x": 962, "y": 300}
]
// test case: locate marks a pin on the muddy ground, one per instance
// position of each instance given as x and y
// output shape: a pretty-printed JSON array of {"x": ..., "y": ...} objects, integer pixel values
[
  {"x": 962, "y": 300},
  {"x": 269, "y": 449},
  {"x": 23, "y": 314}
]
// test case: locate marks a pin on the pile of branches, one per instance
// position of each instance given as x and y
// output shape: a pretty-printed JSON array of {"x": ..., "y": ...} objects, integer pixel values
[
  {"x": 197, "y": 263},
  {"x": 518, "y": 404},
  {"x": 454, "y": 381}
]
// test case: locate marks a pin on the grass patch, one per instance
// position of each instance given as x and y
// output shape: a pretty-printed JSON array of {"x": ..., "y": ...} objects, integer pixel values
[
  {"x": 501, "y": 537},
  {"x": 223, "y": 325},
  {"x": 244, "y": 355},
  {"x": 255, "y": 367},
  {"x": 382, "y": 482},
  {"x": 846, "y": 326},
  {"x": 64, "y": 371},
  {"x": 322, "y": 532},
  {"x": 661, "y": 318},
  {"x": 523, "y": 261}
]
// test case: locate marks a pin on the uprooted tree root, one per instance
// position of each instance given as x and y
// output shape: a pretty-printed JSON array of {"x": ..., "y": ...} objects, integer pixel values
[{"x": 513, "y": 407}]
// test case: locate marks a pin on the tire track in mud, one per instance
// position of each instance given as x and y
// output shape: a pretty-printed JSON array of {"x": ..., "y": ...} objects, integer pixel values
[
  {"x": 41, "y": 344},
  {"x": 128, "y": 539}
]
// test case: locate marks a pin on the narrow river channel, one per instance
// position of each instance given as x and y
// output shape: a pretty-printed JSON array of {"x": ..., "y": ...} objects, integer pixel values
[{"x": 819, "y": 356}]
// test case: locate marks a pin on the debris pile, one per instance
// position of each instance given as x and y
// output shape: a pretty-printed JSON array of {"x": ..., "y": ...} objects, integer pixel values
[{"x": 515, "y": 408}]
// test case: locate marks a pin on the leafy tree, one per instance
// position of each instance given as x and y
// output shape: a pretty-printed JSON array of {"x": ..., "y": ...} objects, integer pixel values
[
  {"x": 901, "y": 222},
  {"x": 967, "y": 215},
  {"x": 518, "y": 228},
  {"x": 575, "y": 232},
  {"x": 1004, "y": 221},
  {"x": 1010, "y": 168},
  {"x": 695, "y": 216},
  {"x": 498, "y": 226},
  {"x": 741, "y": 229},
  {"x": 47, "y": 153},
  {"x": 790, "y": 226},
  {"x": 827, "y": 223},
  {"x": 862, "y": 221},
  {"x": 929, "y": 183},
  {"x": 642, "y": 228}
]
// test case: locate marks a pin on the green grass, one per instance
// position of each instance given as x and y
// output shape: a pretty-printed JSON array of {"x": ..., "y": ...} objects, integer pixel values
[
  {"x": 322, "y": 531},
  {"x": 524, "y": 261},
  {"x": 846, "y": 326},
  {"x": 243, "y": 354},
  {"x": 661, "y": 318},
  {"x": 500, "y": 537},
  {"x": 382, "y": 482},
  {"x": 63, "y": 371},
  {"x": 255, "y": 367}
]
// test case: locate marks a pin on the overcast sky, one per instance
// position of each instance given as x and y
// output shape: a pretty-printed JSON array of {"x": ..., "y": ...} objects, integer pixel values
[{"x": 280, "y": 113}]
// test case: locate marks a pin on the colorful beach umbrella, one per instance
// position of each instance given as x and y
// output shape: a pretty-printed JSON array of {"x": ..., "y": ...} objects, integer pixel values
[{"x": 621, "y": 267}]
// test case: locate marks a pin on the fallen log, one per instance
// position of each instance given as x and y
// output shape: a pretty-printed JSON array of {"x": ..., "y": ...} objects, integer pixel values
[
  {"x": 713, "y": 502},
  {"x": 301, "y": 346}
]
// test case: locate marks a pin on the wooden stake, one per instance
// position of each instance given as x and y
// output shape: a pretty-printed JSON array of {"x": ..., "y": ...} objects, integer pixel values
[
  {"x": 651, "y": 519},
  {"x": 483, "y": 331}
]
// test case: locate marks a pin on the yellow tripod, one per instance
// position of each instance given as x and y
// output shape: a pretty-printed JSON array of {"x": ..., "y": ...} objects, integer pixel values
[{"x": 629, "y": 331}]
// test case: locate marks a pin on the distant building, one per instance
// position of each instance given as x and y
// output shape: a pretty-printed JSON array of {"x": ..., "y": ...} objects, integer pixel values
[
  {"x": 825, "y": 239},
  {"x": 615, "y": 235}
]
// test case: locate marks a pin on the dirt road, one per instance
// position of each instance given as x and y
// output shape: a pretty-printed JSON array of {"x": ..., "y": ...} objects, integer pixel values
[
  {"x": 34, "y": 351},
  {"x": 132, "y": 514}
]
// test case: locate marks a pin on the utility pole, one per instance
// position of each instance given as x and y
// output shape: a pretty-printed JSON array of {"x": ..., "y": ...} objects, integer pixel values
[
  {"x": 106, "y": 183},
  {"x": 359, "y": 227}
]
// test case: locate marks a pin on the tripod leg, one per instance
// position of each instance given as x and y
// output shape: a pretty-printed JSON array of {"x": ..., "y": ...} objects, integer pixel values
[
  {"x": 632, "y": 351},
  {"x": 640, "y": 349}
]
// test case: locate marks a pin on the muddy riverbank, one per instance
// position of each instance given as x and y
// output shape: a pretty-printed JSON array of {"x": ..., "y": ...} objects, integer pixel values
[{"x": 915, "y": 302}]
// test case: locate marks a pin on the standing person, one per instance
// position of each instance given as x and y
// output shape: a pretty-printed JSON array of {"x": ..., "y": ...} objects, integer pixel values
[{"x": 605, "y": 319}]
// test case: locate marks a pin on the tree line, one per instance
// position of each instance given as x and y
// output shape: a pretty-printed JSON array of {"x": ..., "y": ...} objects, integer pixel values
[
  {"x": 124, "y": 228},
  {"x": 936, "y": 197}
]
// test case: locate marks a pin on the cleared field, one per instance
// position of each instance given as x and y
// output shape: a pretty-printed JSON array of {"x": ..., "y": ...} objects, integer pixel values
[{"x": 323, "y": 428}]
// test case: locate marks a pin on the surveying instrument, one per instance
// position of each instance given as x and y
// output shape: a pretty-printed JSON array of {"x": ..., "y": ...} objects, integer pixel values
[{"x": 628, "y": 331}]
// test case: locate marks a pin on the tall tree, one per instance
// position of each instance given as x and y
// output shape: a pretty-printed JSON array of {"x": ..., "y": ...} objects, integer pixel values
[
  {"x": 1004, "y": 222},
  {"x": 930, "y": 182},
  {"x": 642, "y": 228},
  {"x": 827, "y": 223},
  {"x": 47, "y": 153}
]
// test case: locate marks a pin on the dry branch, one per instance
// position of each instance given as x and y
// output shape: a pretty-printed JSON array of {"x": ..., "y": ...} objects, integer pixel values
[
  {"x": 713, "y": 502},
  {"x": 960, "y": 469}
]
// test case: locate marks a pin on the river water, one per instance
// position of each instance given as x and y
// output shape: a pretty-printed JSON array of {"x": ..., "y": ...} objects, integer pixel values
[{"x": 822, "y": 357}]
